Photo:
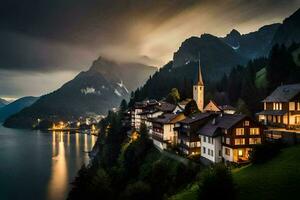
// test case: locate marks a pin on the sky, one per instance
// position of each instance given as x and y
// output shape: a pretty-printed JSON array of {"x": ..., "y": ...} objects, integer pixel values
[{"x": 44, "y": 43}]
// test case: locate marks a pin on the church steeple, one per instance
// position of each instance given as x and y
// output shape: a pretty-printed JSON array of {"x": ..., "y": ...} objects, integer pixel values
[
  {"x": 198, "y": 89},
  {"x": 200, "y": 79}
]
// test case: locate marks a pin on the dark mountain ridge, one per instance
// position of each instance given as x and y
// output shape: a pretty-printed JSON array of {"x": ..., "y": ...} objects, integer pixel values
[
  {"x": 94, "y": 91},
  {"x": 16, "y": 106}
]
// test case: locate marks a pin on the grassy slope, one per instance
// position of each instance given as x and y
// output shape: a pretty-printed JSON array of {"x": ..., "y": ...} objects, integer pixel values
[
  {"x": 277, "y": 179},
  {"x": 261, "y": 79}
]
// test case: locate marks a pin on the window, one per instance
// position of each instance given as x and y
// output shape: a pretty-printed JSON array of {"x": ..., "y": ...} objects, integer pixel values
[
  {"x": 220, "y": 153},
  {"x": 198, "y": 144},
  {"x": 208, "y": 151},
  {"x": 297, "y": 120},
  {"x": 239, "y": 131},
  {"x": 225, "y": 131},
  {"x": 227, "y": 140},
  {"x": 239, "y": 141},
  {"x": 292, "y": 105},
  {"x": 209, "y": 140},
  {"x": 204, "y": 139},
  {"x": 298, "y": 105},
  {"x": 212, "y": 152},
  {"x": 277, "y": 106},
  {"x": 192, "y": 144},
  {"x": 212, "y": 140},
  {"x": 204, "y": 150},
  {"x": 240, "y": 153},
  {"x": 254, "y": 131},
  {"x": 223, "y": 139},
  {"x": 246, "y": 123},
  {"x": 227, "y": 151},
  {"x": 254, "y": 141}
]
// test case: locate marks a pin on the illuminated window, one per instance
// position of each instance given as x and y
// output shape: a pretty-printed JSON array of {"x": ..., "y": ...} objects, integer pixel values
[
  {"x": 298, "y": 105},
  {"x": 227, "y": 151},
  {"x": 240, "y": 152},
  {"x": 254, "y": 131},
  {"x": 240, "y": 141},
  {"x": 254, "y": 141},
  {"x": 239, "y": 131},
  {"x": 246, "y": 123}
]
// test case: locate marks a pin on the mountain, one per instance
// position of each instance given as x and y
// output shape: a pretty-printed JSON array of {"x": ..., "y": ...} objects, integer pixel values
[
  {"x": 97, "y": 90},
  {"x": 15, "y": 107},
  {"x": 3, "y": 103},
  {"x": 217, "y": 57},
  {"x": 254, "y": 44},
  {"x": 289, "y": 30}
]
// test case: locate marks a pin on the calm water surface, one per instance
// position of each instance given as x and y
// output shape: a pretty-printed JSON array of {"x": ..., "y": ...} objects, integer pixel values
[{"x": 37, "y": 165}]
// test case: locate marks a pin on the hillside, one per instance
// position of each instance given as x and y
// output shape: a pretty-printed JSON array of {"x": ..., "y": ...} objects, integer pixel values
[
  {"x": 276, "y": 179},
  {"x": 16, "y": 106},
  {"x": 97, "y": 90}
]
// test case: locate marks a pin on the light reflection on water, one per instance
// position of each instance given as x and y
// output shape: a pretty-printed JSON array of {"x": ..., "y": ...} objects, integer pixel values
[
  {"x": 58, "y": 184},
  {"x": 40, "y": 165}
]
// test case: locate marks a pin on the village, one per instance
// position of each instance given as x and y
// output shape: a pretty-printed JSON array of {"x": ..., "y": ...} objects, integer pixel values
[{"x": 217, "y": 133}]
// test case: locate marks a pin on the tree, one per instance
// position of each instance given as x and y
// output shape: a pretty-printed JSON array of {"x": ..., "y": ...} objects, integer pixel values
[
  {"x": 123, "y": 106},
  {"x": 174, "y": 96},
  {"x": 137, "y": 191},
  {"x": 216, "y": 182},
  {"x": 242, "y": 107},
  {"x": 191, "y": 108}
]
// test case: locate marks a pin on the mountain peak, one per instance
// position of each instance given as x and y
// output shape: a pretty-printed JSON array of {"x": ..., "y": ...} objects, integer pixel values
[{"x": 234, "y": 33}]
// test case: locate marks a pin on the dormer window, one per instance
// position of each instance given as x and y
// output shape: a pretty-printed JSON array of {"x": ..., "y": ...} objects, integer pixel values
[{"x": 246, "y": 123}]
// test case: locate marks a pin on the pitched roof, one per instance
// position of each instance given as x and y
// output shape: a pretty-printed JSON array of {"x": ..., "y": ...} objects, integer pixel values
[
  {"x": 195, "y": 117},
  {"x": 283, "y": 93},
  {"x": 165, "y": 107},
  {"x": 165, "y": 118},
  {"x": 227, "y": 107},
  {"x": 225, "y": 121}
]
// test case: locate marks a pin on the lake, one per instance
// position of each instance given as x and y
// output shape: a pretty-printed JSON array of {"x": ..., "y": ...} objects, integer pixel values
[{"x": 36, "y": 165}]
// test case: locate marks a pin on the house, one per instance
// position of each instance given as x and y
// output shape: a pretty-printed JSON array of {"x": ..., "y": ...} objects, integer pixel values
[
  {"x": 212, "y": 106},
  {"x": 163, "y": 133},
  {"x": 186, "y": 129},
  {"x": 141, "y": 111},
  {"x": 230, "y": 138},
  {"x": 282, "y": 107}
]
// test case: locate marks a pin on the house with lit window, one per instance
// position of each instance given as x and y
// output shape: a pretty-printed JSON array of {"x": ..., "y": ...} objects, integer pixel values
[
  {"x": 163, "y": 134},
  {"x": 229, "y": 138},
  {"x": 186, "y": 129},
  {"x": 282, "y": 107}
]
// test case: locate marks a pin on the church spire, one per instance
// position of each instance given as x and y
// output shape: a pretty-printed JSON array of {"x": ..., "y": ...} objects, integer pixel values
[{"x": 200, "y": 80}]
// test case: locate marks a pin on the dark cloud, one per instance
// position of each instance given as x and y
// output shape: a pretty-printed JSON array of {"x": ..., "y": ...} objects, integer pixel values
[
  {"x": 43, "y": 36},
  {"x": 49, "y": 35}
]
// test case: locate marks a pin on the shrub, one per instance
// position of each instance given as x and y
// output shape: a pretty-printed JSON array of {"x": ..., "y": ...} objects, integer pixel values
[
  {"x": 216, "y": 182},
  {"x": 264, "y": 152}
]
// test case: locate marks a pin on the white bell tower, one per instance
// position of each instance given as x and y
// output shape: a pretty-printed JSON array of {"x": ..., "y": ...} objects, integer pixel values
[{"x": 198, "y": 90}]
